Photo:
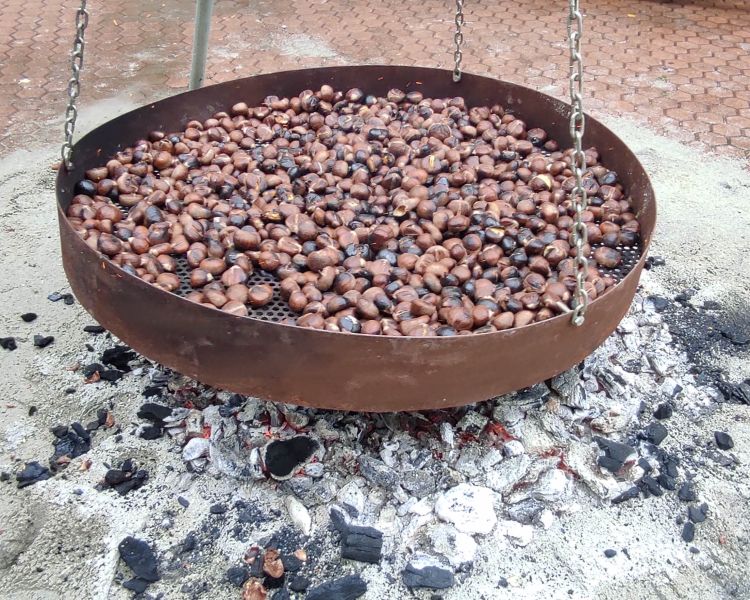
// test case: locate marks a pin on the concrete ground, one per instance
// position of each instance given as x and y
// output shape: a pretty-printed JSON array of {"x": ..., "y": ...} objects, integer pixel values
[{"x": 684, "y": 113}]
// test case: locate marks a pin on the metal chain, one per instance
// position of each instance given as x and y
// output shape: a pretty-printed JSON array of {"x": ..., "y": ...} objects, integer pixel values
[
  {"x": 74, "y": 84},
  {"x": 578, "y": 162},
  {"x": 458, "y": 38}
]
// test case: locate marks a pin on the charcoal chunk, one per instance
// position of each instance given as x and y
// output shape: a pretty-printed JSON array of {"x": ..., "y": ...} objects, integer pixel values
[
  {"x": 60, "y": 431},
  {"x": 238, "y": 574},
  {"x": 686, "y": 492},
  {"x": 126, "y": 478},
  {"x": 667, "y": 482},
  {"x": 291, "y": 563},
  {"x": 8, "y": 343},
  {"x": 654, "y": 433},
  {"x": 118, "y": 357},
  {"x": 283, "y": 456},
  {"x": 94, "y": 329},
  {"x": 33, "y": 472},
  {"x": 339, "y": 520},
  {"x": 28, "y": 317},
  {"x": 654, "y": 261},
  {"x": 110, "y": 375},
  {"x": 42, "y": 341},
  {"x": 345, "y": 588},
  {"x": 189, "y": 543},
  {"x": 154, "y": 412},
  {"x": 605, "y": 462},
  {"x": 153, "y": 390},
  {"x": 136, "y": 584},
  {"x": 663, "y": 411},
  {"x": 139, "y": 556},
  {"x": 151, "y": 432},
  {"x": 628, "y": 494},
  {"x": 669, "y": 465},
  {"x": 80, "y": 431},
  {"x": 660, "y": 304},
  {"x": 650, "y": 485},
  {"x": 89, "y": 370},
  {"x": 698, "y": 514},
  {"x": 71, "y": 441},
  {"x": 432, "y": 577},
  {"x": 114, "y": 476},
  {"x": 730, "y": 390},
  {"x": 723, "y": 440},
  {"x": 688, "y": 532},
  {"x": 615, "y": 454},
  {"x": 256, "y": 569},
  {"x": 299, "y": 583},
  {"x": 364, "y": 544},
  {"x": 137, "y": 480}
]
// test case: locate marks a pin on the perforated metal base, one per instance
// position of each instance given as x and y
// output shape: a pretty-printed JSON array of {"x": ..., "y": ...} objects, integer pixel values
[
  {"x": 275, "y": 311},
  {"x": 630, "y": 257}
]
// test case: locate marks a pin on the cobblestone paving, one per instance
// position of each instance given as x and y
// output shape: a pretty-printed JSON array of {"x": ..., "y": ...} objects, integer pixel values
[{"x": 680, "y": 66}]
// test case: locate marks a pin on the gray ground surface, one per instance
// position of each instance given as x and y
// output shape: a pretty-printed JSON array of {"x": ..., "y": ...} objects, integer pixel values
[{"x": 54, "y": 543}]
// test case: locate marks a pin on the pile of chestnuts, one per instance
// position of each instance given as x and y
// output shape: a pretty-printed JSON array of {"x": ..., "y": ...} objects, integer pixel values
[{"x": 402, "y": 215}]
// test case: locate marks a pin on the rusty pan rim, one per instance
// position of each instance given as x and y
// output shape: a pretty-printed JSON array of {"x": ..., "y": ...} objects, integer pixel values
[{"x": 133, "y": 280}]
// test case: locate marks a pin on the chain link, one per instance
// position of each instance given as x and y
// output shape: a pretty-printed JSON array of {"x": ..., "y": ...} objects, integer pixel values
[
  {"x": 458, "y": 39},
  {"x": 578, "y": 159},
  {"x": 74, "y": 84}
]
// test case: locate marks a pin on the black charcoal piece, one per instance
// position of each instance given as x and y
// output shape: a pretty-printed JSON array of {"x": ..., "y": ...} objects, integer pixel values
[
  {"x": 663, "y": 411},
  {"x": 154, "y": 412},
  {"x": 345, "y": 588},
  {"x": 8, "y": 343},
  {"x": 654, "y": 433},
  {"x": 33, "y": 472},
  {"x": 628, "y": 494},
  {"x": 688, "y": 532},
  {"x": 432, "y": 577},
  {"x": 698, "y": 514},
  {"x": 139, "y": 556},
  {"x": 282, "y": 457},
  {"x": 723, "y": 440},
  {"x": 42, "y": 341},
  {"x": 237, "y": 575}
]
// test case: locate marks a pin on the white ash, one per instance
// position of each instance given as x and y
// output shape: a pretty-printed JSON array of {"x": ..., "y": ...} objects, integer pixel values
[{"x": 437, "y": 482}]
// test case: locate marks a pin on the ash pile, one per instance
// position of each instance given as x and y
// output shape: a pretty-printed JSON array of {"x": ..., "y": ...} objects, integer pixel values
[{"x": 322, "y": 504}]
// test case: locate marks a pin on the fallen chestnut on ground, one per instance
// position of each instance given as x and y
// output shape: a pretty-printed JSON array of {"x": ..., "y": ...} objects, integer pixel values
[{"x": 397, "y": 216}]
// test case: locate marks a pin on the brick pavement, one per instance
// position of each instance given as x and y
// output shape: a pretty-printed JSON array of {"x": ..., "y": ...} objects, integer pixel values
[{"x": 680, "y": 66}]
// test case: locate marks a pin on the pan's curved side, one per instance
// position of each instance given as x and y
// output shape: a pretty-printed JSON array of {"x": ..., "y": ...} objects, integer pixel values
[{"x": 333, "y": 370}]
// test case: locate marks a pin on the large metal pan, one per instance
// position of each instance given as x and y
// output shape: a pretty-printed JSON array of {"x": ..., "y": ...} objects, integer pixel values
[{"x": 337, "y": 370}]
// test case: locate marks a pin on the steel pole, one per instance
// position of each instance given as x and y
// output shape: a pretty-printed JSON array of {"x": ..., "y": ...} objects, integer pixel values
[{"x": 203, "y": 9}]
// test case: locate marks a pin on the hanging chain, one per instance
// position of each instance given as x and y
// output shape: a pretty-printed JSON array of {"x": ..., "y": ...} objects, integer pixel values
[
  {"x": 458, "y": 38},
  {"x": 74, "y": 84},
  {"x": 578, "y": 162}
]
